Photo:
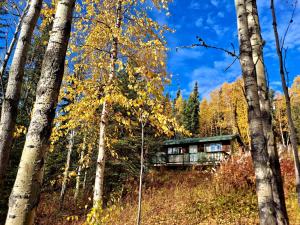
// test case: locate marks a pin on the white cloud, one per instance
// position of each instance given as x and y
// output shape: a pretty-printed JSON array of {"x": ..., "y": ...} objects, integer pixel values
[
  {"x": 214, "y": 2},
  {"x": 211, "y": 77},
  {"x": 275, "y": 83},
  {"x": 179, "y": 57},
  {"x": 220, "y": 14},
  {"x": 199, "y": 22},
  {"x": 210, "y": 20},
  {"x": 220, "y": 30},
  {"x": 292, "y": 41},
  {"x": 195, "y": 5}
]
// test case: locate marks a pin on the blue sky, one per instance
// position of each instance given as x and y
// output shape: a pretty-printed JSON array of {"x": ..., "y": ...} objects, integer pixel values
[{"x": 215, "y": 22}]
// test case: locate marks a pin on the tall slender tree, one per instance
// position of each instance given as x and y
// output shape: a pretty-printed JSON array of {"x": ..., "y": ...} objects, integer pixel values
[
  {"x": 67, "y": 167},
  {"x": 258, "y": 143},
  {"x": 265, "y": 106},
  {"x": 13, "y": 89},
  {"x": 291, "y": 125},
  {"x": 98, "y": 188},
  {"x": 26, "y": 191}
]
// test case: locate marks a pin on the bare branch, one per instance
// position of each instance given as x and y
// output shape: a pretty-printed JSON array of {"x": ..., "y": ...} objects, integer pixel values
[{"x": 289, "y": 25}]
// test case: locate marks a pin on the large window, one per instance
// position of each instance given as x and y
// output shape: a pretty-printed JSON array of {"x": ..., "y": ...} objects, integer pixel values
[
  {"x": 193, "y": 150},
  {"x": 174, "y": 150},
  {"x": 213, "y": 147}
]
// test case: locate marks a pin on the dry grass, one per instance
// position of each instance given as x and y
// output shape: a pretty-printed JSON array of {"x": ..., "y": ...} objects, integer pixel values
[{"x": 183, "y": 198}]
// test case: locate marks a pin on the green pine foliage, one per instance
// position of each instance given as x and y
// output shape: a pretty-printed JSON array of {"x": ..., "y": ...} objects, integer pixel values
[{"x": 191, "y": 112}]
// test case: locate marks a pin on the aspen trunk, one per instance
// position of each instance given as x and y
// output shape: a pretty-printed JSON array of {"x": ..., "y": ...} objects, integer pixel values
[
  {"x": 77, "y": 186},
  {"x": 26, "y": 191},
  {"x": 139, "y": 212},
  {"x": 84, "y": 180},
  {"x": 281, "y": 133},
  {"x": 258, "y": 144},
  {"x": 66, "y": 172},
  {"x": 13, "y": 89},
  {"x": 265, "y": 106},
  {"x": 100, "y": 167},
  {"x": 292, "y": 129},
  {"x": 13, "y": 41}
]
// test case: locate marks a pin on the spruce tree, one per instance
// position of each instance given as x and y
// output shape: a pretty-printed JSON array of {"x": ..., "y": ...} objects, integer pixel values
[{"x": 191, "y": 112}]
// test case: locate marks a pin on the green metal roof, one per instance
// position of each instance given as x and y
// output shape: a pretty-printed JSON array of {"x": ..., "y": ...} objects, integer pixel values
[{"x": 200, "y": 140}]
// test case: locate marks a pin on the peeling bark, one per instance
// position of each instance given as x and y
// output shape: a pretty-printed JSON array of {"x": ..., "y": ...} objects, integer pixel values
[
  {"x": 13, "y": 89},
  {"x": 258, "y": 143},
  {"x": 27, "y": 187},
  {"x": 265, "y": 106}
]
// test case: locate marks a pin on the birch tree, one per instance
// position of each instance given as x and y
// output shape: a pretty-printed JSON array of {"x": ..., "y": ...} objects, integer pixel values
[
  {"x": 98, "y": 187},
  {"x": 13, "y": 89},
  {"x": 258, "y": 144},
  {"x": 265, "y": 106},
  {"x": 13, "y": 41},
  {"x": 123, "y": 32},
  {"x": 291, "y": 125},
  {"x": 26, "y": 191},
  {"x": 67, "y": 167}
]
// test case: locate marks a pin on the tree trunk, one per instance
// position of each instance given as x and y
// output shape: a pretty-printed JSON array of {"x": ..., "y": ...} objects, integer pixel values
[
  {"x": 26, "y": 191},
  {"x": 66, "y": 172},
  {"x": 258, "y": 144},
  {"x": 12, "y": 43},
  {"x": 293, "y": 135},
  {"x": 99, "y": 180},
  {"x": 281, "y": 134},
  {"x": 84, "y": 180},
  {"x": 77, "y": 186},
  {"x": 139, "y": 212},
  {"x": 13, "y": 89},
  {"x": 265, "y": 106}
]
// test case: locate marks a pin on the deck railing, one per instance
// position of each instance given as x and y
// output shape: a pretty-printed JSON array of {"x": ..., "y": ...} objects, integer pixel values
[{"x": 162, "y": 158}]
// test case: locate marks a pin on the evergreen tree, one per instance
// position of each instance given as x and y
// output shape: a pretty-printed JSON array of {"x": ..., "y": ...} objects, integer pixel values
[
  {"x": 179, "y": 106},
  {"x": 191, "y": 112},
  {"x": 178, "y": 94}
]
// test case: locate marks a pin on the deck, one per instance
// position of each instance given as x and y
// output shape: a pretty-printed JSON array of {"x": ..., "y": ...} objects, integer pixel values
[{"x": 189, "y": 159}]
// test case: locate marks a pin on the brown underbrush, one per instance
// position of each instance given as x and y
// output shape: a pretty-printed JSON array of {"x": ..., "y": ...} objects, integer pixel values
[{"x": 197, "y": 197}]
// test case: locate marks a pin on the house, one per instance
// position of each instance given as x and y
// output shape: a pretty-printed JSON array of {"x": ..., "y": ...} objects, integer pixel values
[{"x": 197, "y": 151}]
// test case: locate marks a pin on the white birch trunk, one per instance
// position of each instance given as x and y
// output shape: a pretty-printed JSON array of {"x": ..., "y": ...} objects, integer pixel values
[
  {"x": 27, "y": 187},
  {"x": 78, "y": 176},
  {"x": 13, "y": 89},
  {"x": 67, "y": 167},
  {"x": 100, "y": 167},
  {"x": 84, "y": 180},
  {"x": 281, "y": 134},
  {"x": 292, "y": 129},
  {"x": 265, "y": 106},
  {"x": 139, "y": 212},
  {"x": 13, "y": 41},
  {"x": 258, "y": 143}
]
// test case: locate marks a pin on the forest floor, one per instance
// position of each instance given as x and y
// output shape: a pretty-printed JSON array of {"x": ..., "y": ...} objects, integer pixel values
[{"x": 180, "y": 198}]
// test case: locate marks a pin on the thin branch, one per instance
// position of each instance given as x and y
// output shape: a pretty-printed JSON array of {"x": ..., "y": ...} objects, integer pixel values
[
  {"x": 289, "y": 25},
  {"x": 205, "y": 45}
]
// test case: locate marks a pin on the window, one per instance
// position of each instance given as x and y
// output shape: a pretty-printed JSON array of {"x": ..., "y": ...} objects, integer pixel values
[
  {"x": 193, "y": 148},
  {"x": 214, "y": 147},
  {"x": 175, "y": 150}
]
